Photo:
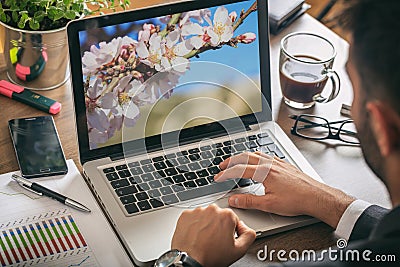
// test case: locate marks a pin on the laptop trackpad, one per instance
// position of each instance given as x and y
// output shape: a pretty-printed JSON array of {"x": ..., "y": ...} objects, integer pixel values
[{"x": 258, "y": 220}]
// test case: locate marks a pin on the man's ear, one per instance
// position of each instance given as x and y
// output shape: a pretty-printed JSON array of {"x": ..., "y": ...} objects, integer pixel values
[{"x": 385, "y": 123}]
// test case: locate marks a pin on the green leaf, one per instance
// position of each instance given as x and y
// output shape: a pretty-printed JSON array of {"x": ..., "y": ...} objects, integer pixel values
[
  {"x": 3, "y": 17},
  {"x": 31, "y": 9},
  {"x": 34, "y": 24},
  {"x": 59, "y": 14},
  {"x": 22, "y": 5},
  {"x": 24, "y": 18},
  {"x": 34, "y": 12},
  {"x": 24, "y": 15},
  {"x": 43, "y": 3},
  {"x": 70, "y": 14},
  {"x": 51, "y": 12},
  {"x": 9, "y": 2},
  {"x": 14, "y": 15},
  {"x": 39, "y": 15}
]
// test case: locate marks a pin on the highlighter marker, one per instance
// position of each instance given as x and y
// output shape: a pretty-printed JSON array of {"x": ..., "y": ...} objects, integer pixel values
[
  {"x": 28, "y": 97},
  {"x": 30, "y": 73}
]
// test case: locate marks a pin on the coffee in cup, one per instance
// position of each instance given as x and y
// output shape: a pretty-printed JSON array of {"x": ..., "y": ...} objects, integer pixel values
[{"x": 305, "y": 67}]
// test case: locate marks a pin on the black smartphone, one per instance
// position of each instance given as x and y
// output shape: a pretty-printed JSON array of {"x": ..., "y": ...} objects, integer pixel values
[{"x": 38, "y": 148}]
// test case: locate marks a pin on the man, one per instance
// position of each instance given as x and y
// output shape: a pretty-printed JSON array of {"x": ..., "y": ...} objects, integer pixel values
[{"x": 374, "y": 70}]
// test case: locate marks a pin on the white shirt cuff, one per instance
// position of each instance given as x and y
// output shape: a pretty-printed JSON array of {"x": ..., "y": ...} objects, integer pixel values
[{"x": 350, "y": 217}]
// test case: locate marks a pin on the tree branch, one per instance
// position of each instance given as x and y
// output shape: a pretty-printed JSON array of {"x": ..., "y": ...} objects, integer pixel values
[
  {"x": 239, "y": 21},
  {"x": 174, "y": 20},
  {"x": 245, "y": 15}
]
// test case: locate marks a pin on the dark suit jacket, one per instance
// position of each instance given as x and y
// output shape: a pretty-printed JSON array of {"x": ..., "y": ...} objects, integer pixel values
[{"x": 376, "y": 230}]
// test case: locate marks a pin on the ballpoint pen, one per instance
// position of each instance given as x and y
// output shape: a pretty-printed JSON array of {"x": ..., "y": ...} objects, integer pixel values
[{"x": 41, "y": 190}]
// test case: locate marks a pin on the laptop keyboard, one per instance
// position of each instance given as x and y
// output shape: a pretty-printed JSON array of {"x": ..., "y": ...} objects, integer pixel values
[{"x": 157, "y": 182}]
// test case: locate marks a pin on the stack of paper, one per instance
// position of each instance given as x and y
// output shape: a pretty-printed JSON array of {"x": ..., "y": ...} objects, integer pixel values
[{"x": 39, "y": 231}]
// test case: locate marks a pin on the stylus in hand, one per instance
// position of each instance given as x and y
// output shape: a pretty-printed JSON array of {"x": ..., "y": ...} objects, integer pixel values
[{"x": 41, "y": 190}]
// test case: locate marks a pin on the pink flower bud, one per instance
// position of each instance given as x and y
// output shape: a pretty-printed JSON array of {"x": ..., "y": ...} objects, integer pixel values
[
  {"x": 233, "y": 16},
  {"x": 148, "y": 27},
  {"x": 247, "y": 37},
  {"x": 206, "y": 38}
]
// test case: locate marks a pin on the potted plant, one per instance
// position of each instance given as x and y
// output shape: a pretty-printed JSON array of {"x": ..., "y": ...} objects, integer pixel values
[{"x": 35, "y": 41}]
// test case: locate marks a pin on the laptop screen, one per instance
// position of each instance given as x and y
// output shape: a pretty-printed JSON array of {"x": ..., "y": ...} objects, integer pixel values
[{"x": 178, "y": 70}]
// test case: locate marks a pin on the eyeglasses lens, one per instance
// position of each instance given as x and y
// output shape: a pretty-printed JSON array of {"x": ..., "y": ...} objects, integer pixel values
[
  {"x": 312, "y": 127},
  {"x": 348, "y": 133}
]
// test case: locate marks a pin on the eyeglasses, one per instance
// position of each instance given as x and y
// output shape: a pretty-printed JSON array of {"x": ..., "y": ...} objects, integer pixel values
[{"x": 318, "y": 128}]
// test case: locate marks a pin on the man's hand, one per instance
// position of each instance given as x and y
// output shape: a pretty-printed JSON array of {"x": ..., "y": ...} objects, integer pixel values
[
  {"x": 208, "y": 236},
  {"x": 288, "y": 191}
]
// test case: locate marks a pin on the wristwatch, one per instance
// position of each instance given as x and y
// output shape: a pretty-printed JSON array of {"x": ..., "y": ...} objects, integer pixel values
[{"x": 176, "y": 258}]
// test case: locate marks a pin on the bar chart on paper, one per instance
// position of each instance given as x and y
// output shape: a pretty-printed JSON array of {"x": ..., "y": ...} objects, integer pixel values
[
  {"x": 39, "y": 231},
  {"x": 48, "y": 239},
  {"x": 44, "y": 236}
]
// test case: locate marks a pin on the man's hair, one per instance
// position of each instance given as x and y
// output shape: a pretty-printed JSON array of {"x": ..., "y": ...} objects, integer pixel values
[{"x": 375, "y": 29}]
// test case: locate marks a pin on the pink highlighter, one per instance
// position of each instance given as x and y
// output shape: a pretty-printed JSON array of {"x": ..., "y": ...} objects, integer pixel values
[{"x": 26, "y": 96}]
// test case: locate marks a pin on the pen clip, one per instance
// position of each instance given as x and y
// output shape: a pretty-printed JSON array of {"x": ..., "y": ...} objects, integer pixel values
[{"x": 30, "y": 189}]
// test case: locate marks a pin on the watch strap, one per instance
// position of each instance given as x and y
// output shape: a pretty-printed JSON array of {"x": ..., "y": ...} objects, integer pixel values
[{"x": 188, "y": 261}]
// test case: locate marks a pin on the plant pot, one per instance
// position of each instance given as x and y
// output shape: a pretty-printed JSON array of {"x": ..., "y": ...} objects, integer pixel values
[{"x": 36, "y": 60}]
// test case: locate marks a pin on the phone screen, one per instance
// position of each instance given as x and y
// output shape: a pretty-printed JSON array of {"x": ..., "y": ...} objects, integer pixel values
[{"x": 37, "y": 146}]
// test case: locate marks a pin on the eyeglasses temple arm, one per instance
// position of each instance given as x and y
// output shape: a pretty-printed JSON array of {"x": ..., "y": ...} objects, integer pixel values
[{"x": 313, "y": 124}]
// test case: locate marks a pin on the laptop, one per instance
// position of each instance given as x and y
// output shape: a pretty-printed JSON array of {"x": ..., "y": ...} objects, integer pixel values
[{"x": 162, "y": 95}]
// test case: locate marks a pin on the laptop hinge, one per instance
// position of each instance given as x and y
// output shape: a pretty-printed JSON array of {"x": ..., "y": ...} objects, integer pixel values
[
  {"x": 167, "y": 145},
  {"x": 117, "y": 157}
]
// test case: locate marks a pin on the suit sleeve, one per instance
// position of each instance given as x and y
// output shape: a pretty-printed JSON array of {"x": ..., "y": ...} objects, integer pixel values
[
  {"x": 350, "y": 217},
  {"x": 367, "y": 222}
]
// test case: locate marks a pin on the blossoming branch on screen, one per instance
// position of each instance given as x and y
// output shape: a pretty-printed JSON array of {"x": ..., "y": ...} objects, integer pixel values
[{"x": 118, "y": 74}]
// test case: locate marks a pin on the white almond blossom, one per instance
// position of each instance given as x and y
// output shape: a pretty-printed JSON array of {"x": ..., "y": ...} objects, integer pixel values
[
  {"x": 200, "y": 34},
  {"x": 221, "y": 31},
  {"x": 151, "y": 56},
  {"x": 123, "y": 93},
  {"x": 199, "y": 15},
  {"x": 148, "y": 30},
  {"x": 173, "y": 52},
  {"x": 97, "y": 57}
]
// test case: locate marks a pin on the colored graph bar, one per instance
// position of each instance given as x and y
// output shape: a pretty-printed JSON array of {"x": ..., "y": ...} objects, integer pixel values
[
  {"x": 3, "y": 247},
  {"x": 31, "y": 243},
  {"x": 70, "y": 232},
  {"x": 59, "y": 238},
  {"x": 33, "y": 231},
  {"x": 19, "y": 248},
  {"x": 44, "y": 238},
  {"x": 13, "y": 252},
  {"x": 3, "y": 263},
  {"x": 50, "y": 235},
  {"x": 26, "y": 247},
  {"x": 63, "y": 233},
  {"x": 76, "y": 230}
]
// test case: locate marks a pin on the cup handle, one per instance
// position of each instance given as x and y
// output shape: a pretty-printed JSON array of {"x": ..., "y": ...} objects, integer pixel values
[{"x": 336, "y": 84}]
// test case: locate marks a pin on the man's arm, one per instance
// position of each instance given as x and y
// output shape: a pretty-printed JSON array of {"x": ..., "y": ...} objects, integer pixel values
[
  {"x": 212, "y": 236},
  {"x": 288, "y": 191},
  {"x": 208, "y": 236}
]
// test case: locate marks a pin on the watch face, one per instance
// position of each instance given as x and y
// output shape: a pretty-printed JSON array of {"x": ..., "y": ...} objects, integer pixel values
[{"x": 168, "y": 258}]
